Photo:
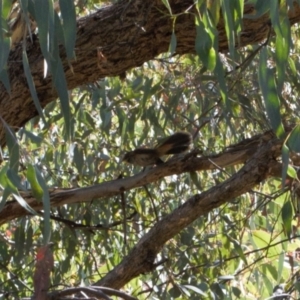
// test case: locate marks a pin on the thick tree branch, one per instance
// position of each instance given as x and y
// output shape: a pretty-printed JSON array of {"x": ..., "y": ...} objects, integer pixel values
[
  {"x": 141, "y": 258},
  {"x": 110, "y": 42},
  {"x": 234, "y": 155}
]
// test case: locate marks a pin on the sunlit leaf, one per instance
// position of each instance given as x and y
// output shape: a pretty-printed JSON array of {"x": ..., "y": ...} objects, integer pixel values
[
  {"x": 233, "y": 14},
  {"x": 22, "y": 202},
  {"x": 37, "y": 190},
  {"x": 204, "y": 45},
  {"x": 195, "y": 289},
  {"x": 263, "y": 239},
  {"x": 46, "y": 205},
  {"x": 167, "y": 5}
]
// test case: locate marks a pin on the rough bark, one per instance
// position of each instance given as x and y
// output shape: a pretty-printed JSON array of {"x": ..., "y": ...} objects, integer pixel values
[{"x": 127, "y": 34}]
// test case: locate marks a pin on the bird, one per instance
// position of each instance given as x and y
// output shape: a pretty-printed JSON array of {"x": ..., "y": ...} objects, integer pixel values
[{"x": 177, "y": 143}]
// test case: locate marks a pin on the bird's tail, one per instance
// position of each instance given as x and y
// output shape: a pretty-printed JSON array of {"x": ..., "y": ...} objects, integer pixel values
[{"x": 177, "y": 143}]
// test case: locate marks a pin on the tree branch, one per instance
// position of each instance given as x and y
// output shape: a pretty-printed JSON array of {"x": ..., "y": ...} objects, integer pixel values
[
  {"x": 111, "y": 41},
  {"x": 235, "y": 154},
  {"x": 141, "y": 259}
]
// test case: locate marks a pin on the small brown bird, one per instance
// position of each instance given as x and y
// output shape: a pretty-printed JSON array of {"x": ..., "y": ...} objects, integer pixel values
[{"x": 177, "y": 143}]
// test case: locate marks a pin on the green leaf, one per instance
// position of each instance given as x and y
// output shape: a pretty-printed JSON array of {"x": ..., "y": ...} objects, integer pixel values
[
  {"x": 214, "y": 11},
  {"x": 204, "y": 44},
  {"x": 233, "y": 17},
  {"x": 173, "y": 44},
  {"x": 270, "y": 94},
  {"x": 46, "y": 206},
  {"x": 37, "y": 190},
  {"x": 196, "y": 180},
  {"x": 24, "y": 4},
  {"x": 15, "y": 179},
  {"x": 60, "y": 84},
  {"x": 287, "y": 217},
  {"x": 23, "y": 203},
  {"x": 262, "y": 239},
  {"x": 4, "y": 52},
  {"x": 291, "y": 171},
  {"x": 68, "y": 15},
  {"x": 42, "y": 16},
  {"x": 272, "y": 270},
  {"x": 293, "y": 141},
  {"x": 285, "y": 154},
  {"x": 32, "y": 85},
  {"x": 195, "y": 289},
  {"x": 274, "y": 14},
  {"x": 13, "y": 146},
  {"x": 10, "y": 189},
  {"x": 216, "y": 288},
  {"x": 78, "y": 158},
  {"x": 261, "y": 8},
  {"x": 5, "y": 193},
  {"x": 292, "y": 66},
  {"x": 238, "y": 249},
  {"x": 167, "y": 5},
  {"x": 282, "y": 52},
  {"x": 281, "y": 265},
  {"x": 35, "y": 139},
  {"x": 6, "y": 8},
  {"x": 220, "y": 74}
]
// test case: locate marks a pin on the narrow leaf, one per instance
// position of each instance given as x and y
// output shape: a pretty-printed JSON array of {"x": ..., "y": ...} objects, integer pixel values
[
  {"x": 32, "y": 85},
  {"x": 293, "y": 141},
  {"x": 4, "y": 51},
  {"x": 42, "y": 12},
  {"x": 282, "y": 46},
  {"x": 13, "y": 146},
  {"x": 285, "y": 163},
  {"x": 270, "y": 94},
  {"x": 167, "y": 5},
  {"x": 204, "y": 45},
  {"x": 173, "y": 44},
  {"x": 60, "y": 84},
  {"x": 23, "y": 203},
  {"x": 287, "y": 217},
  {"x": 68, "y": 15},
  {"x": 37, "y": 190},
  {"x": 46, "y": 206}
]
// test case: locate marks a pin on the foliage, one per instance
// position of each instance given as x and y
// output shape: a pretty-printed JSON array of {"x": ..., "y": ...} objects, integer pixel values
[{"x": 240, "y": 250}]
